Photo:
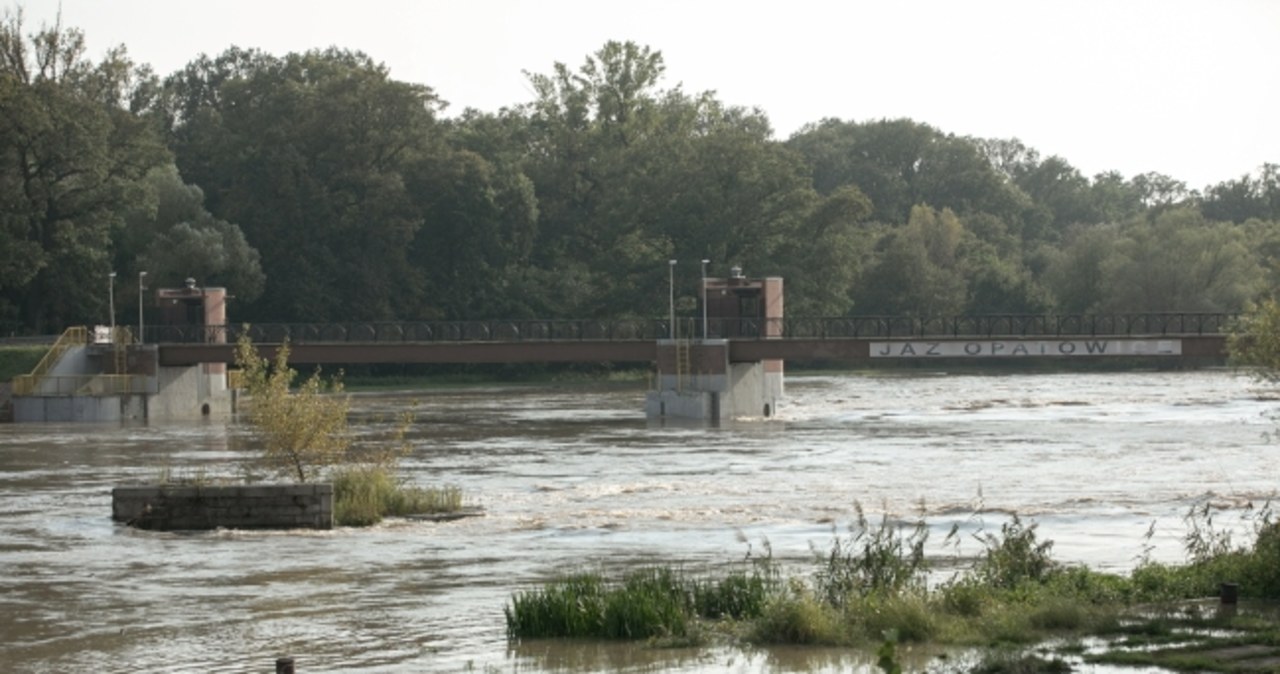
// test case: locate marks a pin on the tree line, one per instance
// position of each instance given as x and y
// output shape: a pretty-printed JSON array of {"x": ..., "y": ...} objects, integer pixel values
[{"x": 317, "y": 188}]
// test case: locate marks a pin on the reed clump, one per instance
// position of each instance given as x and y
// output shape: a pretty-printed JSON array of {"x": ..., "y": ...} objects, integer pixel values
[{"x": 657, "y": 602}]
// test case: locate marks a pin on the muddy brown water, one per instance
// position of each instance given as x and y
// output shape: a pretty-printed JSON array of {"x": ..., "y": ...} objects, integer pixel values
[{"x": 575, "y": 478}]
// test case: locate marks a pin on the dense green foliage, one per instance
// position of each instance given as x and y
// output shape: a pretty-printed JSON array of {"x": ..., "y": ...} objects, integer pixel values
[
  {"x": 1255, "y": 341},
  {"x": 16, "y": 360},
  {"x": 316, "y": 187}
]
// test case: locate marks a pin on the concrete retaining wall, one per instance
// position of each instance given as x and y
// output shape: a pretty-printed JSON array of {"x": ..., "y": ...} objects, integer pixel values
[{"x": 277, "y": 506}]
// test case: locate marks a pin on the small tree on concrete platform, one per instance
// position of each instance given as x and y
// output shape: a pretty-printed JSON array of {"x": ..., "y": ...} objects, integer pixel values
[
  {"x": 305, "y": 431},
  {"x": 306, "y": 437}
]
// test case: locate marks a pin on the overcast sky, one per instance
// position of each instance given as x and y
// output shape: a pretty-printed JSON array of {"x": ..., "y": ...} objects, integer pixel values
[{"x": 1189, "y": 89}]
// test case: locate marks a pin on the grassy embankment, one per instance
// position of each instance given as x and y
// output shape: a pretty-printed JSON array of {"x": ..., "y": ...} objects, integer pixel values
[
  {"x": 16, "y": 360},
  {"x": 869, "y": 588}
]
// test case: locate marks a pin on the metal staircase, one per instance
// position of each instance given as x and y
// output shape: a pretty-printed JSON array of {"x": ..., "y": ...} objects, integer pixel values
[{"x": 29, "y": 384}]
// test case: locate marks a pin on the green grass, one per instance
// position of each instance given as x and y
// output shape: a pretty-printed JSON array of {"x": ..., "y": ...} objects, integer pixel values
[
  {"x": 17, "y": 360},
  {"x": 869, "y": 583},
  {"x": 656, "y": 602}
]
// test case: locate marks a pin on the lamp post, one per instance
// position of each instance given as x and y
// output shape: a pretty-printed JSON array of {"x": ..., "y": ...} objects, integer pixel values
[
  {"x": 704, "y": 299},
  {"x": 111, "y": 302},
  {"x": 142, "y": 275},
  {"x": 671, "y": 285}
]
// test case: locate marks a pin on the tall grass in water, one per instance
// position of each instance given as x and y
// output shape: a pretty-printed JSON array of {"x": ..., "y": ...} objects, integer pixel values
[
  {"x": 652, "y": 602},
  {"x": 872, "y": 559},
  {"x": 871, "y": 582},
  {"x": 364, "y": 494}
]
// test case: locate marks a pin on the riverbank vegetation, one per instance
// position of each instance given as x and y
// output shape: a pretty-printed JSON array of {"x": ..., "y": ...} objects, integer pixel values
[
  {"x": 305, "y": 437},
  {"x": 19, "y": 360},
  {"x": 317, "y": 188},
  {"x": 873, "y": 584}
]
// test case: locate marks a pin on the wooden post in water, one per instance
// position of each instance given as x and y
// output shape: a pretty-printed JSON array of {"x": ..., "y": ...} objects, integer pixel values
[{"x": 284, "y": 666}]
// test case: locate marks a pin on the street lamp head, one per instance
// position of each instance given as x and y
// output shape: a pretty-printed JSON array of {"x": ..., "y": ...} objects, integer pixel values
[
  {"x": 671, "y": 262},
  {"x": 112, "y": 275},
  {"x": 141, "y": 274},
  {"x": 706, "y": 262}
]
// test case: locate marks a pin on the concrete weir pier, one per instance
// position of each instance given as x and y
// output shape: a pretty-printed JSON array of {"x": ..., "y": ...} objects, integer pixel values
[
  {"x": 109, "y": 374},
  {"x": 713, "y": 388},
  {"x": 697, "y": 379}
]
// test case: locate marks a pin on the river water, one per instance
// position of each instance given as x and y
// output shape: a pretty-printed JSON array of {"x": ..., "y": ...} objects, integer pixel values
[{"x": 575, "y": 478}]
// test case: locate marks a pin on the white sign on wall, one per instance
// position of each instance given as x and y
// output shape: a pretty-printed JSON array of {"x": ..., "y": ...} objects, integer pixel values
[{"x": 1019, "y": 348}]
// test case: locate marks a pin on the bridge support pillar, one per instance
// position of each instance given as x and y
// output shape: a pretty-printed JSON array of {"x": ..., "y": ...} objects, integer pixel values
[{"x": 697, "y": 381}]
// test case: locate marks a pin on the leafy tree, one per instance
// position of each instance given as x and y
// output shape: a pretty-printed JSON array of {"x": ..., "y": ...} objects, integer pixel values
[
  {"x": 1180, "y": 262},
  {"x": 1002, "y": 285},
  {"x": 1262, "y": 238},
  {"x": 1061, "y": 194},
  {"x": 629, "y": 176},
  {"x": 1255, "y": 340},
  {"x": 1114, "y": 199},
  {"x": 1247, "y": 197},
  {"x": 303, "y": 432},
  {"x": 919, "y": 271},
  {"x": 900, "y": 163},
  {"x": 479, "y": 223},
  {"x": 822, "y": 262},
  {"x": 172, "y": 237},
  {"x": 309, "y": 154},
  {"x": 1074, "y": 274},
  {"x": 74, "y": 140},
  {"x": 1157, "y": 190}
]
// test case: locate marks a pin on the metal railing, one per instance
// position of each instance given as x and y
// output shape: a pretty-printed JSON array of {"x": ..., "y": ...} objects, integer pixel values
[
  {"x": 850, "y": 327},
  {"x": 72, "y": 337},
  {"x": 83, "y": 385}
]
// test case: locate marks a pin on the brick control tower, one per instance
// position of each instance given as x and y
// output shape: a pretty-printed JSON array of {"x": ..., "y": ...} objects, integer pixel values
[{"x": 698, "y": 378}]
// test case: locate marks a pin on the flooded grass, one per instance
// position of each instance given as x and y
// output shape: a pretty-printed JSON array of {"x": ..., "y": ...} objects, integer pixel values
[
  {"x": 869, "y": 588},
  {"x": 363, "y": 495}
]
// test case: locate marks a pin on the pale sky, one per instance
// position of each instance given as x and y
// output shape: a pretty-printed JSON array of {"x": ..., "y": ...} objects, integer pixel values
[{"x": 1189, "y": 89}]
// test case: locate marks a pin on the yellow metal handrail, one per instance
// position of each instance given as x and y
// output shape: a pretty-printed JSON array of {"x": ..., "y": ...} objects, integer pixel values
[
  {"x": 74, "y": 336},
  {"x": 81, "y": 384}
]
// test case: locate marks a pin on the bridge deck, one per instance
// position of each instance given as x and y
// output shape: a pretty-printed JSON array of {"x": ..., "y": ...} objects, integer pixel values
[{"x": 841, "y": 339}]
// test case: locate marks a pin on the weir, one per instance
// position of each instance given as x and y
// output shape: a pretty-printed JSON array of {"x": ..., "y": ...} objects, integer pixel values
[
  {"x": 700, "y": 378},
  {"x": 105, "y": 375}
]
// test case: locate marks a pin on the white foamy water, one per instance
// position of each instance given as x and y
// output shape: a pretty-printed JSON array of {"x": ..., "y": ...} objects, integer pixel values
[{"x": 575, "y": 478}]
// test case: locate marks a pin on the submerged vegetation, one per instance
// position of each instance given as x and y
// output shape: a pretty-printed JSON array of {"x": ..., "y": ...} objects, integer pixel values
[{"x": 874, "y": 587}]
